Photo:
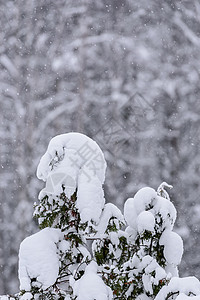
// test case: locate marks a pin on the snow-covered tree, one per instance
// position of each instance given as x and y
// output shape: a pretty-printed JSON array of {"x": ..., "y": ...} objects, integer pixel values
[
  {"x": 80, "y": 64},
  {"x": 86, "y": 249},
  {"x": 71, "y": 204}
]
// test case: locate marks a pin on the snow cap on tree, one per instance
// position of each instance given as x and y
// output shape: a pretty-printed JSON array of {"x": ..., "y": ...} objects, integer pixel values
[
  {"x": 135, "y": 211},
  {"x": 74, "y": 161},
  {"x": 147, "y": 204}
]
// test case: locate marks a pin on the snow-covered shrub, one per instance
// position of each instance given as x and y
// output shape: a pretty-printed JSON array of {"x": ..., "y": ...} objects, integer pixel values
[{"x": 89, "y": 250}]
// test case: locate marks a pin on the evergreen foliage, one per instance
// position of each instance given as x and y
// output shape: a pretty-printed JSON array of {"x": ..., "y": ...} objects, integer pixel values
[{"x": 130, "y": 256}]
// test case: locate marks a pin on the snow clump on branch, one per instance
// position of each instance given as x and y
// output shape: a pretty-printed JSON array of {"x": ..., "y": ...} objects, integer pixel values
[{"x": 75, "y": 161}]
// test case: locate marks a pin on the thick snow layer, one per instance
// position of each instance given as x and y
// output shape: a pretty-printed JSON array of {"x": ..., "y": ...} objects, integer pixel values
[
  {"x": 185, "y": 286},
  {"x": 145, "y": 221},
  {"x": 88, "y": 154},
  {"x": 90, "y": 286},
  {"x": 166, "y": 209},
  {"x": 142, "y": 200},
  {"x": 173, "y": 247},
  {"x": 171, "y": 270},
  {"x": 110, "y": 210},
  {"x": 38, "y": 258},
  {"x": 90, "y": 198},
  {"x": 131, "y": 234},
  {"x": 27, "y": 296},
  {"x": 64, "y": 246},
  {"x": 130, "y": 213},
  {"x": 150, "y": 265},
  {"x": 147, "y": 199},
  {"x": 73, "y": 160},
  {"x": 60, "y": 175}
]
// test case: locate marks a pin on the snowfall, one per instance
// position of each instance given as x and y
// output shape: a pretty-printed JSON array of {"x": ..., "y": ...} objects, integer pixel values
[{"x": 76, "y": 161}]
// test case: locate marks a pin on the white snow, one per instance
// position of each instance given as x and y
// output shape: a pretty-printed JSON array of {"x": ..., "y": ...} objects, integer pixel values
[
  {"x": 38, "y": 258},
  {"x": 142, "y": 200},
  {"x": 185, "y": 286},
  {"x": 83, "y": 146},
  {"x": 4, "y": 297},
  {"x": 182, "y": 296},
  {"x": 130, "y": 213},
  {"x": 64, "y": 246},
  {"x": 90, "y": 286},
  {"x": 86, "y": 254},
  {"x": 147, "y": 203},
  {"x": 146, "y": 280},
  {"x": 90, "y": 198},
  {"x": 173, "y": 247},
  {"x": 160, "y": 274},
  {"x": 145, "y": 221},
  {"x": 144, "y": 212},
  {"x": 109, "y": 211},
  {"x": 27, "y": 296},
  {"x": 150, "y": 265},
  {"x": 166, "y": 209},
  {"x": 75, "y": 161},
  {"x": 60, "y": 175},
  {"x": 131, "y": 234}
]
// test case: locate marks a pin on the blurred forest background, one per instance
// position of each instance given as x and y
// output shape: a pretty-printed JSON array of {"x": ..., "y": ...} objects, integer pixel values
[{"x": 124, "y": 72}]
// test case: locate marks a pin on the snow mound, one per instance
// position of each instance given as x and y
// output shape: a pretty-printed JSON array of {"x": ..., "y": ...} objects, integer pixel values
[
  {"x": 173, "y": 247},
  {"x": 110, "y": 210},
  {"x": 81, "y": 146},
  {"x": 145, "y": 221},
  {"x": 90, "y": 286},
  {"x": 27, "y": 296},
  {"x": 167, "y": 211},
  {"x": 38, "y": 259},
  {"x": 147, "y": 202},
  {"x": 74, "y": 161},
  {"x": 144, "y": 199},
  {"x": 185, "y": 286}
]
